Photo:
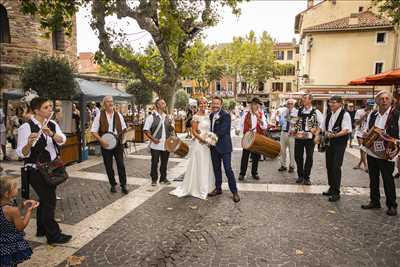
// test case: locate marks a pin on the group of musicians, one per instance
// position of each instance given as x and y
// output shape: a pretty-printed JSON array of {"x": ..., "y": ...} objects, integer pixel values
[{"x": 302, "y": 129}]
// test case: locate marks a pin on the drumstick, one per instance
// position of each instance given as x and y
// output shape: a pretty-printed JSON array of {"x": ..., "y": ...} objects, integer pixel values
[{"x": 41, "y": 129}]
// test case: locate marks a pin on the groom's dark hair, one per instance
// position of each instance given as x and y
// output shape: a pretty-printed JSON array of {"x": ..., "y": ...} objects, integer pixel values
[{"x": 219, "y": 98}]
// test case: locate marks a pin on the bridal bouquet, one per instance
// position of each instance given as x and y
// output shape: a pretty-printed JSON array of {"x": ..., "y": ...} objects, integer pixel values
[{"x": 210, "y": 138}]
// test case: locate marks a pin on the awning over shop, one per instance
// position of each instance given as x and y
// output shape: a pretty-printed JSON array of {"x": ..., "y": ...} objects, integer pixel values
[{"x": 385, "y": 78}]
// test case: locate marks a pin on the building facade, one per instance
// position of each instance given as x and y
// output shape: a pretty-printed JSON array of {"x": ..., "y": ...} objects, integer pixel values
[{"x": 341, "y": 41}]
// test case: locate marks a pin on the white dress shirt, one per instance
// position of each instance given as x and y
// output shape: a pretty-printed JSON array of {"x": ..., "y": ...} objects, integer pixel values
[
  {"x": 110, "y": 120},
  {"x": 254, "y": 121},
  {"x": 25, "y": 130},
  {"x": 147, "y": 125},
  {"x": 346, "y": 122}
]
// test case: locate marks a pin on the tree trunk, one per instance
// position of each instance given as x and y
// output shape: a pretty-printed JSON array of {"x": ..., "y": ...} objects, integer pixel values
[{"x": 168, "y": 94}]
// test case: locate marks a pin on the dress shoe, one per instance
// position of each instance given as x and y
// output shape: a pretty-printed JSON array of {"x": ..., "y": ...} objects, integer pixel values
[
  {"x": 215, "y": 193},
  {"x": 291, "y": 169},
  {"x": 241, "y": 177},
  {"x": 299, "y": 180},
  {"x": 124, "y": 190},
  {"x": 282, "y": 168},
  {"x": 113, "y": 190},
  {"x": 334, "y": 198},
  {"x": 6, "y": 158},
  {"x": 236, "y": 197},
  {"x": 327, "y": 193},
  {"x": 62, "y": 239},
  {"x": 307, "y": 182},
  {"x": 153, "y": 183},
  {"x": 371, "y": 206},
  {"x": 165, "y": 182},
  {"x": 392, "y": 211},
  {"x": 256, "y": 177}
]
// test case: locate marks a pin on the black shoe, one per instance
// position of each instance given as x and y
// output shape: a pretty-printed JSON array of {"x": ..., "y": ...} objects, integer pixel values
[
  {"x": 113, "y": 190},
  {"x": 291, "y": 169},
  {"x": 241, "y": 177},
  {"x": 153, "y": 183},
  {"x": 40, "y": 234},
  {"x": 327, "y": 193},
  {"x": 307, "y": 182},
  {"x": 256, "y": 177},
  {"x": 392, "y": 211},
  {"x": 371, "y": 206},
  {"x": 397, "y": 175},
  {"x": 236, "y": 197},
  {"x": 62, "y": 239},
  {"x": 166, "y": 182},
  {"x": 124, "y": 190},
  {"x": 215, "y": 193},
  {"x": 299, "y": 180},
  {"x": 334, "y": 198},
  {"x": 282, "y": 168},
  {"x": 6, "y": 158}
]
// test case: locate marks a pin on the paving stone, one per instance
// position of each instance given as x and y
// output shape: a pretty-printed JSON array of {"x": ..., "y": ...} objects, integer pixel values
[{"x": 264, "y": 229}]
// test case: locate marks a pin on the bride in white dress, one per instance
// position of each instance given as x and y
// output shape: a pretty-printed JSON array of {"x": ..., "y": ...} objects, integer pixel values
[{"x": 199, "y": 177}]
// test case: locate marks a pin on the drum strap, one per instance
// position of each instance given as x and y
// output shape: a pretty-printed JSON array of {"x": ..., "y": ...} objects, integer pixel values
[{"x": 158, "y": 128}]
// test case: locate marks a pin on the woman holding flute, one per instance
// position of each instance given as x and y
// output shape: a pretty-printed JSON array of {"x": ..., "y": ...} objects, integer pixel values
[{"x": 38, "y": 141}]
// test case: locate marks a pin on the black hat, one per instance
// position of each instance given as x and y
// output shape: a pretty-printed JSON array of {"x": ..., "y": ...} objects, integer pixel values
[
  {"x": 255, "y": 100},
  {"x": 336, "y": 98}
]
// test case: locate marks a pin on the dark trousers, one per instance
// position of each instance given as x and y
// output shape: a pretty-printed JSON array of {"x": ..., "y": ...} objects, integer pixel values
[
  {"x": 304, "y": 168},
  {"x": 377, "y": 167},
  {"x": 118, "y": 154},
  {"x": 46, "y": 211},
  {"x": 334, "y": 159},
  {"x": 226, "y": 160},
  {"x": 255, "y": 157},
  {"x": 156, "y": 156}
]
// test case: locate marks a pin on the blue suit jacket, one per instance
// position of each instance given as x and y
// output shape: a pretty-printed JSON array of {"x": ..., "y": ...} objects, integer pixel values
[{"x": 222, "y": 128}]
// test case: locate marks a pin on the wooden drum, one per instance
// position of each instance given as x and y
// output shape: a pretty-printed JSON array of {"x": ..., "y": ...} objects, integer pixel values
[
  {"x": 175, "y": 145},
  {"x": 261, "y": 144}
]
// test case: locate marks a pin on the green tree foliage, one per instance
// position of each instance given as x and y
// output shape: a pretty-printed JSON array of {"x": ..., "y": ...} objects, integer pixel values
[
  {"x": 52, "y": 77},
  {"x": 229, "y": 104},
  {"x": 390, "y": 8},
  {"x": 181, "y": 99},
  {"x": 143, "y": 96}
]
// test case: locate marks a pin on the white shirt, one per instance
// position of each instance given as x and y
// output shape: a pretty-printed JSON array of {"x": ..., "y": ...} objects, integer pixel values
[
  {"x": 254, "y": 121},
  {"x": 25, "y": 130},
  {"x": 2, "y": 121},
  {"x": 110, "y": 120},
  {"x": 147, "y": 125},
  {"x": 283, "y": 119},
  {"x": 346, "y": 122},
  {"x": 320, "y": 117}
]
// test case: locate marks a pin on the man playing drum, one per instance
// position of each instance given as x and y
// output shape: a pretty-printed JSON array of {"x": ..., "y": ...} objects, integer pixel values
[
  {"x": 106, "y": 123},
  {"x": 387, "y": 119},
  {"x": 253, "y": 120}
]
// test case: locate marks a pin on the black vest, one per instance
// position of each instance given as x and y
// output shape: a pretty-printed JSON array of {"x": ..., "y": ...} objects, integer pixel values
[
  {"x": 154, "y": 125},
  {"x": 39, "y": 152},
  {"x": 337, "y": 127},
  {"x": 391, "y": 126}
]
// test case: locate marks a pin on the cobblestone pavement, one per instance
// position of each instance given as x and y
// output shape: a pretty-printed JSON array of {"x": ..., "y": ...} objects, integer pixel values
[
  {"x": 134, "y": 167},
  {"x": 264, "y": 229}
]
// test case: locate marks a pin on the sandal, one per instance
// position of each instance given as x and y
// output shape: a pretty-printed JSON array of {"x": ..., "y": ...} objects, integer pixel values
[{"x": 357, "y": 167}]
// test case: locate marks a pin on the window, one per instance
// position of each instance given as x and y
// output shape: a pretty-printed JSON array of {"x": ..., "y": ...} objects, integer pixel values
[
  {"x": 288, "y": 87},
  {"x": 381, "y": 37},
  {"x": 260, "y": 86},
  {"x": 4, "y": 26},
  {"x": 297, "y": 49},
  {"x": 217, "y": 86},
  {"x": 230, "y": 86},
  {"x": 280, "y": 55},
  {"x": 243, "y": 86},
  {"x": 58, "y": 39},
  {"x": 289, "y": 55},
  {"x": 277, "y": 87},
  {"x": 360, "y": 9},
  {"x": 378, "y": 67}
]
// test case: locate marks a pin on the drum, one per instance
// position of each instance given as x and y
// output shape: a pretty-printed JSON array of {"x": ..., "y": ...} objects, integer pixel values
[
  {"x": 175, "y": 145},
  {"x": 111, "y": 139},
  {"x": 261, "y": 144},
  {"x": 381, "y": 144}
]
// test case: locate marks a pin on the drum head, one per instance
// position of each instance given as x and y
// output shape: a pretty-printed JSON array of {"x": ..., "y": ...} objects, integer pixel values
[
  {"x": 172, "y": 143},
  {"x": 248, "y": 140},
  {"x": 111, "y": 140}
]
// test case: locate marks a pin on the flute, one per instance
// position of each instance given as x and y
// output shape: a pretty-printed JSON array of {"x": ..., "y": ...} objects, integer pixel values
[{"x": 41, "y": 129}]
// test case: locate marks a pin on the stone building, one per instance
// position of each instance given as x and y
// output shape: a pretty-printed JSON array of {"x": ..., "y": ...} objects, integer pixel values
[{"x": 21, "y": 38}]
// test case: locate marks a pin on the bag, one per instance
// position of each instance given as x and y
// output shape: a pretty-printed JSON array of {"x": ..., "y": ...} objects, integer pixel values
[
  {"x": 25, "y": 182},
  {"x": 53, "y": 172}
]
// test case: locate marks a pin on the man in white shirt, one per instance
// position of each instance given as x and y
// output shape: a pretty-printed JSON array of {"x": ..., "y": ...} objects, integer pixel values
[
  {"x": 255, "y": 121},
  {"x": 158, "y": 127},
  {"x": 111, "y": 121},
  {"x": 387, "y": 119},
  {"x": 336, "y": 128},
  {"x": 360, "y": 120},
  {"x": 288, "y": 116}
]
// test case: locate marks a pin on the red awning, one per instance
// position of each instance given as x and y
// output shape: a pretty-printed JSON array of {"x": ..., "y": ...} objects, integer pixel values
[
  {"x": 386, "y": 78},
  {"x": 361, "y": 81}
]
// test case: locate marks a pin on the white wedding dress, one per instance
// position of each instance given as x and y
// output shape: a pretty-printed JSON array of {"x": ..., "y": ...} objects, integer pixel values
[{"x": 199, "y": 177}]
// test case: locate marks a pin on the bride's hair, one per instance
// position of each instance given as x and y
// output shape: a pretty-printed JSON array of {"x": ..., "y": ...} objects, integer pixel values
[{"x": 203, "y": 99}]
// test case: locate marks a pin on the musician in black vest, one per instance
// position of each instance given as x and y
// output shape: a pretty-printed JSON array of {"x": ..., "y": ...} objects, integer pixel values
[
  {"x": 107, "y": 121},
  {"x": 158, "y": 127},
  {"x": 386, "y": 117},
  {"x": 307, "y": 127},
  {"x": 336, "y": 127},
  {"x": 34, "y": 148}
]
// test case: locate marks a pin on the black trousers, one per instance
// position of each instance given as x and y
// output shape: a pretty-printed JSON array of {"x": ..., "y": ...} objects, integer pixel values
[
  {"x": 118, "y": 154},
  {"x": 334, "y": 159},
  {"x": 377, "y": 167},
  {"x": 46, "y": 211},
  {"x": 255, "y": 157},
  {"x": 156, "y": 156},
  {"x": 304, "y": 168}
]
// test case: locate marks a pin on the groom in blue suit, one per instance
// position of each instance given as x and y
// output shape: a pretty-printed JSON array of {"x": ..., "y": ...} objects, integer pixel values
[{"x": 222, "y": 151}]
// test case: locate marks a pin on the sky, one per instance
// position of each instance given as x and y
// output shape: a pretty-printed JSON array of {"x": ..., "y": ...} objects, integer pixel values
[{"x": 276, "y": 17}]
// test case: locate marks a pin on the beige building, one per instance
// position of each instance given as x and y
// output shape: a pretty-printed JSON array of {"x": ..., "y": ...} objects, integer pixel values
[{"x": 341, "y": 41}]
